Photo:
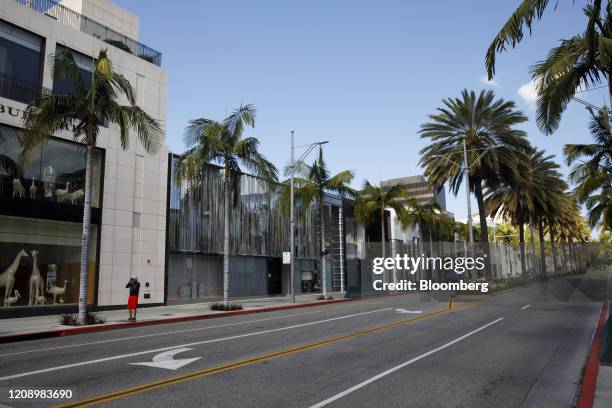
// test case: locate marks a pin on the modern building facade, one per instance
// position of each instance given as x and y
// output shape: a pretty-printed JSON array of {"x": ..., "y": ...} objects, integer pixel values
[
  {"x": 259, "y": 233},
  {"x": 417, "y": 187},
  {"x": 41, "y": 193}
]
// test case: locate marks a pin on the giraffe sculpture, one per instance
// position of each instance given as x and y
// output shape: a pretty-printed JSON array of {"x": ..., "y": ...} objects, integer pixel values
[
  {"x": 7, "y": 278},
  {"x": 36, "y": 282}
]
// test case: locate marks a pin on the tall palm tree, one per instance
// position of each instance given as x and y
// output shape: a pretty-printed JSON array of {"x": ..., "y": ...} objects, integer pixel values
[
  {"x": 570, "y": 226},
  {"x": 372, "y": 201},
  {"x": 527, "y": 194},
  {"x": 311, "y": 184},
  {"x": 487, "y": 125},
  {"x": 510, "y": 196},
  {"x": 592, "y": 170},
  {"x": 563, "y": 218},
  {"x": 224, "y": 143},
  {"x": 81, "y": 113},
  {"x": 584, "y": 60}
]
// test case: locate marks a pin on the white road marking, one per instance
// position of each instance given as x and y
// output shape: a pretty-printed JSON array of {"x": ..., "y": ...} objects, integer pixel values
[
  {"x": 166, "y": 360},
  {"x": 408, "y": 311},
  {"x": 398, "y": 367},
  {"x": 525, "y": 307},
  {"x": 158, "y": 350},
  {"x": 159, "y": 334}
]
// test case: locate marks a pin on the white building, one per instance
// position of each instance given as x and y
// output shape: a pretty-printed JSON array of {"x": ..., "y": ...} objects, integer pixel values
[{"x": 130, "y": 187}]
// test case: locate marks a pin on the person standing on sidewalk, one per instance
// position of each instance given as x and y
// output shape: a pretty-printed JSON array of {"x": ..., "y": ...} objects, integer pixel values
[{"x": 132, "y": 305}]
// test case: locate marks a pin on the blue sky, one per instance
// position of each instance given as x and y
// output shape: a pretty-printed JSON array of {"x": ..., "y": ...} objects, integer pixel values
[{"x": 362, "y": 74}]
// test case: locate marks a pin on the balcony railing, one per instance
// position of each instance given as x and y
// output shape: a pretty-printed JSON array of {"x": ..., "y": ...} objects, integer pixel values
[
  {"x": 20, "y": 90},
  {"x": 80, "y": 22}
]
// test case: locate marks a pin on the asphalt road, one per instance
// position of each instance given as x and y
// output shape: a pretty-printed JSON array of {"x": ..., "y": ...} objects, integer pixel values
[{"x": 521, "y": 348}]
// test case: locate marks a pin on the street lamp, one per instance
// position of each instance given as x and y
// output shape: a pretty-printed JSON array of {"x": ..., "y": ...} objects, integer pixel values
[
  {"x": 466, "y": 168},
  {"x": 309, "y": 148}
]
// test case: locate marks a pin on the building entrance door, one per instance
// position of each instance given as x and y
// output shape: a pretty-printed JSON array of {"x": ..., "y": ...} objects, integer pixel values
[{"x": 275, "y": 267}]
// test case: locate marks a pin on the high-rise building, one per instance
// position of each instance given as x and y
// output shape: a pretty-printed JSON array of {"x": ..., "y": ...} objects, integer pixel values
[{"x": 417, "y": 187}]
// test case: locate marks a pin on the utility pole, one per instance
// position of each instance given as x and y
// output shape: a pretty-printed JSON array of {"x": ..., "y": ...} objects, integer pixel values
[
  {"x": 309, "y": 148},
  {"x": 466, "y": 173},
  {"x": 292, "y": 226}
]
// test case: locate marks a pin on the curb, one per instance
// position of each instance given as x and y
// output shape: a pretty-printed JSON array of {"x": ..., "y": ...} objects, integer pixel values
[
  {"x": 589, "y": 378},
  {"x": 11, "y": 338}
]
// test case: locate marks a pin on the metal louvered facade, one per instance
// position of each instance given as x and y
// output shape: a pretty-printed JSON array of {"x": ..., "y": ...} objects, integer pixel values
[{"x": 259, "y": 234}]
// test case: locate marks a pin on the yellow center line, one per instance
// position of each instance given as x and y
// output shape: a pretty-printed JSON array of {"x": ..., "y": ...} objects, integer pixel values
[{"x": 251, "y": 360}]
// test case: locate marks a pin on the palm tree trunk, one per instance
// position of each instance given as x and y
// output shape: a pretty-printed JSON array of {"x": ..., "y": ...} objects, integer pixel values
[
  {"x": 226, "y": 235},
  {"x": 553, "y": 250},
  {"x": 382, "y": 230},
  {"x": 420, "y": 249},
  {"x": 484, "y": 232},
  {"x": 431, "y": 254},
  {"x": 564, "y": 254},
  {"x": 542, "y": 248},
  {"x": 322, "y": 223},
  {"x": 533, "y": 248},
  {"x": 522, "y": 247},
  {"x": 84, "y": 275}
]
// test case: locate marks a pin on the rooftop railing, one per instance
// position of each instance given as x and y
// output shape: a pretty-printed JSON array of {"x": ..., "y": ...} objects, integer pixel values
[{"x": 85, "y": 24}]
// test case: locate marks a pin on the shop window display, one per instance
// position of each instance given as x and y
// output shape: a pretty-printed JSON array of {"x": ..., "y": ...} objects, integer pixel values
[
  {"x": 53, "y": 171},
  {"x": 40, "y": 261}
]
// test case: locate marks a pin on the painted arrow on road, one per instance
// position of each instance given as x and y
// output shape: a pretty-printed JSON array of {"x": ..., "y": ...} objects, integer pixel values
[
  {"x": 408, "y": 311},
  {"x": 166, "y": 360}
]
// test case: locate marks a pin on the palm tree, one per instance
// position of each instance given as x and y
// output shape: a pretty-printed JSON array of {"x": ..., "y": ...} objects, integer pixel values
[
  {"x": 311, "y": 185},
  {"x": 584, "y": 60},
  {"x": 563, "y": 219},
  {"x": 224, "y": 143},
  {"x": 527, "y": 194},
  {"x": 571, "y": 227},
  {"x": 81, "y": 113},
  {"x": 592, "y": 170},
  {"x": 510, "y": 196},
  {"x": 372, "y": 201},
  {"x": 445, "y": 227},
  {"x": 425, "y": 216},
  {"x": 487, "y": 126}
]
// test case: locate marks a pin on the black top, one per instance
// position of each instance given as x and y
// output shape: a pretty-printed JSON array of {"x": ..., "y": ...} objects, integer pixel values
[{"x": 134, "y": 287}]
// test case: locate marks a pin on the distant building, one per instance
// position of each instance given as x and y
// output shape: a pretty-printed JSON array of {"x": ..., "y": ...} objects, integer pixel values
[{"x": 418, "y": 188}]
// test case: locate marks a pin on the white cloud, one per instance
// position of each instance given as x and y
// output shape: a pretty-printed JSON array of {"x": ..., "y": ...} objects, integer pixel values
[
  {"x": 485, "y": 80},
  {"x": 528, "y": 93}
]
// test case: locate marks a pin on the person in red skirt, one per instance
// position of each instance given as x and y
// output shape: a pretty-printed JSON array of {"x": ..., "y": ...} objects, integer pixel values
[{"x": 132, "y": 304}]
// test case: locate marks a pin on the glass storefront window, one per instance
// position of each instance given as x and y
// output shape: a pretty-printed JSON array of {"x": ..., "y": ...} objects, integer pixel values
[
  {"x": 20, "y": 63},
  {"x": 42, "y": 260},
  {"x": 53, "y": 171}
]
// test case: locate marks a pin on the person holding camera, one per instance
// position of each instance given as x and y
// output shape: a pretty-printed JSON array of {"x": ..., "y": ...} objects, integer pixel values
[{"x": 132, "y": 304}]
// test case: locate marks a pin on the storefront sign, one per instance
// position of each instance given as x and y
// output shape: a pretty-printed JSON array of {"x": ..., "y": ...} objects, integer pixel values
[
  {"x": 10, "y": 114},
  {"x": 12, "y": 111}
]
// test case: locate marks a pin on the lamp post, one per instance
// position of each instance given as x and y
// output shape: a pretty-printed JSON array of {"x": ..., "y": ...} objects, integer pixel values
[
  {"x": 467, "y": 193},
  {"x": 309, "y": 149},
  {"x": 465, "y": 166}
]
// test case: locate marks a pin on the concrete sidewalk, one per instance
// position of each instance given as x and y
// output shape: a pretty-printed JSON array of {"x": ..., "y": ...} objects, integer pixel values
[{"x": 116, "y": 318}]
